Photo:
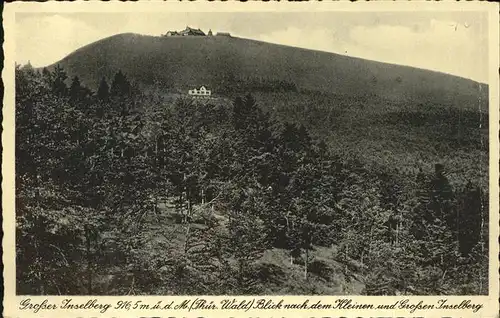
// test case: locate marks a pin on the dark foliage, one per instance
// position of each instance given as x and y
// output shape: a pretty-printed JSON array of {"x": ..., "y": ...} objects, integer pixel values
[{"x": 120, "y": 192}]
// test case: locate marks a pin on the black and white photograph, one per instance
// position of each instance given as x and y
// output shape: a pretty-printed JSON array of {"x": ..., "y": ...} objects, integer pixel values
[{"x": 252, "y": 153}]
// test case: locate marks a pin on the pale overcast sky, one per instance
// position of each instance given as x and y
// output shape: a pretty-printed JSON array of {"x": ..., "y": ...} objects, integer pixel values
[{"x": 450, "y": 42}]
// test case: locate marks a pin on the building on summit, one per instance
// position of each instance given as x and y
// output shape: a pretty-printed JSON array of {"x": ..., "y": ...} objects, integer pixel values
[{"x": 188, "y": 31}]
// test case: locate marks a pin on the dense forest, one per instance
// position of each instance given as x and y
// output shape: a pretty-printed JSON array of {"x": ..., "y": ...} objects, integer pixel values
[{"x": 122, "y": 192}]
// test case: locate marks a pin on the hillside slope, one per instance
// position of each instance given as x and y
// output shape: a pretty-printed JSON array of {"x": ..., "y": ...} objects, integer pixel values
[{"x": 179, "y": 63}]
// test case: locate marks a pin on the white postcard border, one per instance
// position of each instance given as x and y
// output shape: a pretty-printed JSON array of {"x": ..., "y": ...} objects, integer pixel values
[{"x": 11, "y": 301}]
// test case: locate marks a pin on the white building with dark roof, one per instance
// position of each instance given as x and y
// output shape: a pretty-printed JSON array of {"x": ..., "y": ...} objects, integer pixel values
[{"x": 201, "y": 92}]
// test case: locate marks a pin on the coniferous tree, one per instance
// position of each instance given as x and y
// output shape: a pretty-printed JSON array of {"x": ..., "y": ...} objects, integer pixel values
[
  {"x": 58, "y": 78},
  {"x": 121, "y": 93},
  {"x": 120, "y": 86},
  {"x": 46, "y": 76},
  {"x": 247, "y": 243},
  {"x": 421, "y": 213},
  {"x": 103, "y": 90},
  {"x": 441, "y": 197},
  {"x": 469, "y": 218},
  {"x": 75, "y": 90}
]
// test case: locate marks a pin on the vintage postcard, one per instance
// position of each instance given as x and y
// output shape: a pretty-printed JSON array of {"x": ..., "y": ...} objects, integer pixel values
[{"x": 202, "y": 159}]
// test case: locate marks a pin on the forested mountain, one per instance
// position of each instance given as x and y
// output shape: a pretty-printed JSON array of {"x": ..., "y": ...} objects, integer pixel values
[
  {"x": 181, "y": 63},
  {"x": 388, "y": 115},
  {"x": 123, "y": 191}
]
